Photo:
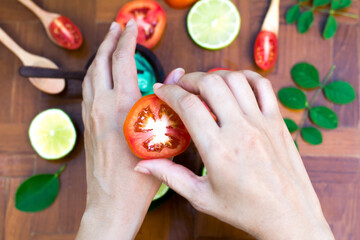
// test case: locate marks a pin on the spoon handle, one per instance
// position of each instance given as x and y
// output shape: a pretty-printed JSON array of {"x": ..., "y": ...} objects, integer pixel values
[
  {"x": 39, "y": 72},
  {"x": 13, "y": 46},
  {"x": 271, "y": 22},
  {"x": 45, "y": 16}
]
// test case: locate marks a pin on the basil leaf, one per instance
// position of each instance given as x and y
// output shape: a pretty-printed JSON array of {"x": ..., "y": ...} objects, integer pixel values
[
  {"x": 305, "y": 75},
  {"x": 37, "y": 192},
  {"x": 291, "y": 125},
  {"x": 330, "y": 27},
  {"x": 318, "y": 3},
  {"x": 296, "y": 145},
  {"x": 324, "y": 117},
  {"x": 305, "y": 21},
  {"x": 340, "y": 4},
  {"x": 304, "y": 0},
  {"x": 340, "y": 92},
  {"x": 292, "y": 98},
  {"x": 311, "y": 135},
  {"x": 293, "y": 14}
]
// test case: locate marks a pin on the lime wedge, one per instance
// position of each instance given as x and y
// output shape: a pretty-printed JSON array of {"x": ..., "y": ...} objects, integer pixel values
[
  {"x": 52, "y": 134},
  {"x": 162, "y": 191},
  {"x": 204, "y": 172},
  {"x": 213, "y": 24}
]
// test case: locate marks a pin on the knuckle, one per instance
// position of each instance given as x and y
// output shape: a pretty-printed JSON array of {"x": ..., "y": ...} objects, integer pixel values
[
  {"x": 188, "y": 101},
  {"x": 210, "y": 80},
  {"x": 234, "y": 77}
]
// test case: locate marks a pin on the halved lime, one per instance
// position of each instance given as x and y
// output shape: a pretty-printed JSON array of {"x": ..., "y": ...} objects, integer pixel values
[
  {"x": 213, "y": 24},
  {"x": 204, "y": 172},
  {"x": 52, "y": 134},
  {"x": 161, "y": 192}
]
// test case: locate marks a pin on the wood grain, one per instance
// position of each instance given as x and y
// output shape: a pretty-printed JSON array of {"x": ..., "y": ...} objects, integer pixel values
[{"x": 334, "y": 166}]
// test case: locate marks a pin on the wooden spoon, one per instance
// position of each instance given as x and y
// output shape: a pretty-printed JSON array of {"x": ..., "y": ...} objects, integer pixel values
[
  {"x": 47, "y": 85},
  {"x": 60, "y": 29},
  {"x": 266, "y": 45}
]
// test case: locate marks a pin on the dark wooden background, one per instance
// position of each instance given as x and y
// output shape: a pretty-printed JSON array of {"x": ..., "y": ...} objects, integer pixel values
[{"x": 333, "y": 167}]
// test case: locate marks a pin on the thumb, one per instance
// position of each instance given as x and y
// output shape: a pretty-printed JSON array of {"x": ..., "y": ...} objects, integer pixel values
[{"x": 177, "y": 177}]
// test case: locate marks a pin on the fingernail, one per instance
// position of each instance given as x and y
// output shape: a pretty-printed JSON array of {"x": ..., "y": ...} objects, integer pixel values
[
  {"x": 157, "y": 85},
  {"x": 142, "y": 170},
  {"x": 130, "y": 22},
  {"x": 113, "y": 25}
]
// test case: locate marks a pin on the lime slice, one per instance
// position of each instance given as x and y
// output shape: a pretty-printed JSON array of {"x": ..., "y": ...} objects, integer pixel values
[
  {"x": 162, "y": 191},
  {"x": 213, "y": 24},
  {"x": 204, "y": 172},
  {"x": 52, "y": 134}
]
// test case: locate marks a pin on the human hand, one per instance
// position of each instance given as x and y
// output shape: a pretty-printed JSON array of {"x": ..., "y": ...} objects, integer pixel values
[
  {"x": 256, "y": 178},
  {"x": 117, "y": 196}
]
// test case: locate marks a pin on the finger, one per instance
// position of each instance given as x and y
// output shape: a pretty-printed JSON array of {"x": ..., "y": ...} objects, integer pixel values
[
  {"x": 264, "y": 93},
  {"x": 177, "y": 177},
  {"x": 214, "y": 91},
  {"x": 174, "y": 76},
  {"x": 123, "y": 64},
  {"x": 87, "y": 89},
  {"x": 197, "y": 119},
  {"x": 242, "y": 92},
  {"x": 100, "y": 69}
]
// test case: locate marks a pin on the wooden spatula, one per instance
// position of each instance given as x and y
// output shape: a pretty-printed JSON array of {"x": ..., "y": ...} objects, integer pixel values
[
  {"x": 47, "y": 85},
  {"x": 60, "y": 29}
]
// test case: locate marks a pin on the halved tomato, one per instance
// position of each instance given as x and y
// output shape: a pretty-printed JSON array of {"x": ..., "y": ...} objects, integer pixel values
[
  {"x": 266, "y": 50},
  {"x": 180, "y": 3},
  {"x": 66, "y": 33},
  {"x": 218, "y": 69},
  {"x": 150, "y": 18},
  {"x": 153, "y": 130}
]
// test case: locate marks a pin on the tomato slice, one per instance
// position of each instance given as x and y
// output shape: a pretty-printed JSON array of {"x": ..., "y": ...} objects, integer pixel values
[
  {"x": 180, "y": 3},
  {"x": 218, "y": 69},
  {"x": 66, "y": 33},
  {"x": 266, "y": 50},
  {"x": 150, "y": 18},
  {"x": 153, "y": 130}
]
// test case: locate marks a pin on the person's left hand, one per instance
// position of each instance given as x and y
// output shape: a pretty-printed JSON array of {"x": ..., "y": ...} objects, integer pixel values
[{"x": 116, "y": 194}]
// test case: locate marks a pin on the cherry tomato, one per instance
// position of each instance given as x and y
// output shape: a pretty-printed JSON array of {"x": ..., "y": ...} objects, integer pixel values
[
  {"x": 180, "y": 3},
  {"x": 153, "y": 130},
  {"x": 218, "y": 69},
  {"x": 266, "y": 50},
  {"x": 66, "y": 33},
  {"x": 150, "y": 18}
]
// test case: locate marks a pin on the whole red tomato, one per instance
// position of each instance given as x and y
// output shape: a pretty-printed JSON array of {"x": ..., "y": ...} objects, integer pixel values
[
  {"x": 153, "y": 130},
  {"x": 150, "y": 18},
  {"x": 266, "y": 50},
  {"x": 66, "y": 33},
  {"x": 180, "y": 3}
]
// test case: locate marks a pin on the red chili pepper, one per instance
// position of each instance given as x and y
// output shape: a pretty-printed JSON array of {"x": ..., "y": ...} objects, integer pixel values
[
  {"x": 266, "y": 50},
  {"x": 66, "y": 33}
]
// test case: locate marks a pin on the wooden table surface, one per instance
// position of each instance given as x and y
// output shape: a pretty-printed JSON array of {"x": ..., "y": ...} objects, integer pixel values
[{"x": 334, "y": 166}]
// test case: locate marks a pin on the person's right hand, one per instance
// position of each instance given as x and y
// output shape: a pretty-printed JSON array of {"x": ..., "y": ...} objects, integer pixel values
[{"x": 256, "y": 179}]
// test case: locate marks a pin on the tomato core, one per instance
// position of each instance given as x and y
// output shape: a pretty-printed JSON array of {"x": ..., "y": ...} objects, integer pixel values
[
  {"x": 66, "y": 33},
  {"x": 266, "y": 50}
]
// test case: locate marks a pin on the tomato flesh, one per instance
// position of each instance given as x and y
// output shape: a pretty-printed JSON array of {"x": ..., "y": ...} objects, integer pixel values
[
  {"x": 66, "y": 33},
  {"x": 266, "y": 50},
  {"x": 150, "y": 18},
  {"x": 153, "y": 130}
]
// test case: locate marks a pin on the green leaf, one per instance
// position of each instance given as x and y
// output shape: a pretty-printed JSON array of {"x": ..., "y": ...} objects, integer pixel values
[
  {"x": 291, "y": 125},
  {"x": 330, "y": 27},
  {"x": 304, "y": 0},
  {"x": 340, "y": 4},
  {"x": 293, "y": 14},
  {"x": 305, "y": 21},
  {"x": 296, "y": 145},
  {"x": 318, "y": 3},
  {"x": 292, "y": 97},
  {"x": 340, "y": 92},
  {"x": 305, "y": 75},
  {"x": 37, "y": 192},
  {"x": 324, "y": 117},
  {"x": 311, "y": 135}
]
